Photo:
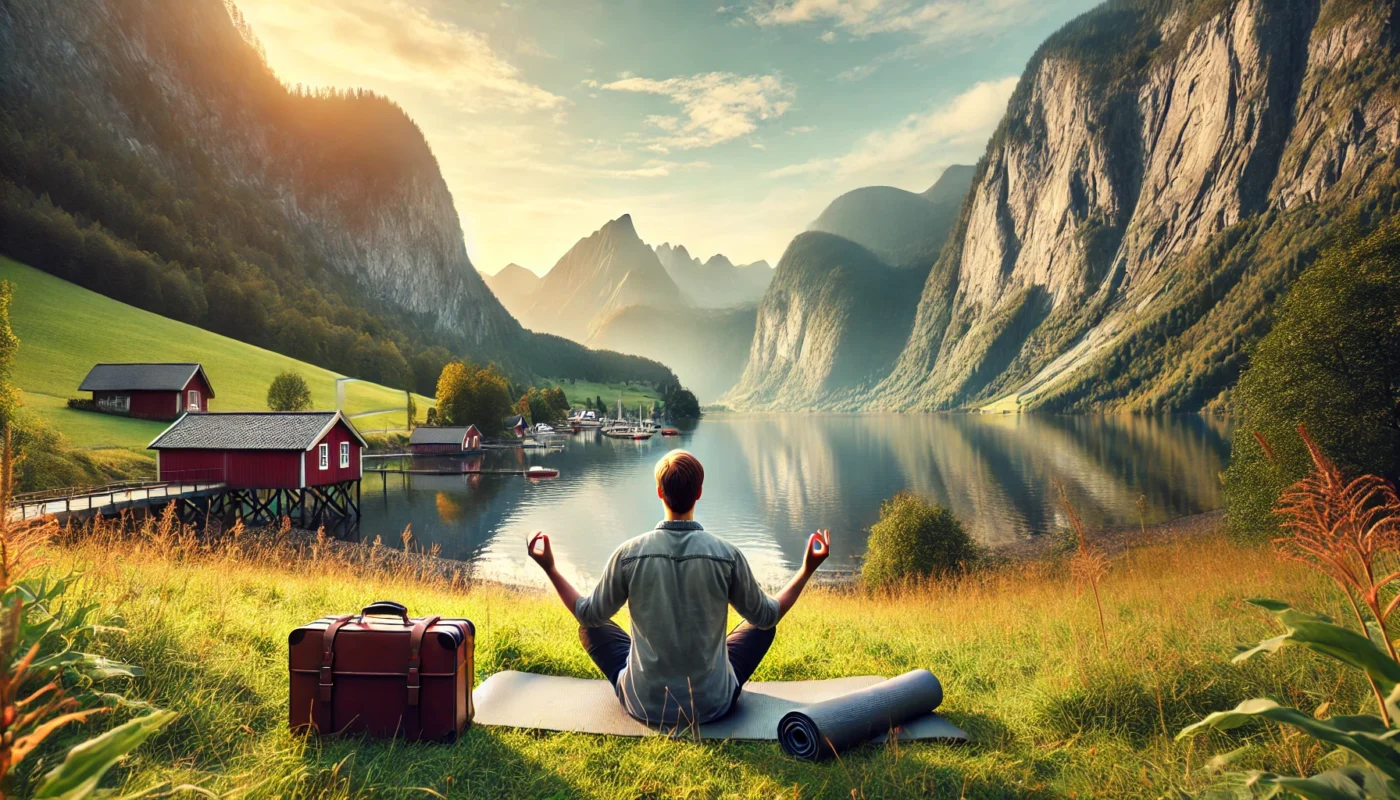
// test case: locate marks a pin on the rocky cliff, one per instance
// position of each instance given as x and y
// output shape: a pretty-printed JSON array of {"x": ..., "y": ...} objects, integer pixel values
[
  {"x": 1163, "y": 171},
  {"x": 828, "y": 328}
]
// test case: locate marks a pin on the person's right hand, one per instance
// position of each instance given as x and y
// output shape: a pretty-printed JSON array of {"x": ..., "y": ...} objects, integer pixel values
[
  {"x": 539, "y": 550},
  {"x": 818, "y": 548}
]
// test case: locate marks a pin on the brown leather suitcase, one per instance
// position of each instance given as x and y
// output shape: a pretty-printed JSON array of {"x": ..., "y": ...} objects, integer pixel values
[{"x": 367, "y": 673}]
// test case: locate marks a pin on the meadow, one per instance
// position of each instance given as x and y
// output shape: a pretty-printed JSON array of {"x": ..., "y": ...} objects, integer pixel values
[
  {"x": 581, "y": 392},
  {"x": 65, "y": 329},
  {"x": 1054, "y": 710}
]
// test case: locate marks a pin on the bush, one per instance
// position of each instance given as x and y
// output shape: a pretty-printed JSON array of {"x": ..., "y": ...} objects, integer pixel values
[
  {"x": 915, "y": 539},
  {"x": 1330, "y": 363},
  {"x": 82, "y": 404},
  {"x": 289, "y": 392}
]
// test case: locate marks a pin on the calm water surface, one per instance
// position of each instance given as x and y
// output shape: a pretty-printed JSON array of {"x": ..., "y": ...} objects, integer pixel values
[{"x": 772, "y": 479}]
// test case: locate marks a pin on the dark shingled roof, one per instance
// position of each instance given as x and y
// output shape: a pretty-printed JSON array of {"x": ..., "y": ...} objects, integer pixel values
[
  {"x": 267, "y": 430},
  {"x": 438, "y": 435},
  {"x": 150, "y": 377}
]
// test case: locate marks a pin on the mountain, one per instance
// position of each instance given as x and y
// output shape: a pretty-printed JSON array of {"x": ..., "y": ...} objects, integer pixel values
[
  {"x": 609, "y": 270},
  {"x": 513, "y": 286},
  {"x": 716, "y": 283},
  {"x": 707, "y": 348},
  {"x": 1164, "y": 170},
  {"x": 901, "y": 227},
  {"x": 153, "y": 156},
  {"x": 829, "y": 327}
]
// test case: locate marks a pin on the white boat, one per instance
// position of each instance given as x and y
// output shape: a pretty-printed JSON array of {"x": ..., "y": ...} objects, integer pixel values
[
  {"x": 543, "y": 428},
  {"x": 583, "y": 420}
]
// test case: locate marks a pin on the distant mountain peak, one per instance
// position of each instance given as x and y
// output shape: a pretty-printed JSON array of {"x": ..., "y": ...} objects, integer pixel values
[{"x": 621, "y": 226}]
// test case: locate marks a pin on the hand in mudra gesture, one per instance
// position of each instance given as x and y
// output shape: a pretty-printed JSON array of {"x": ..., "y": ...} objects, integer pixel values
[
  {"x": 818, "y": 548},
  {"x": 539, "y": 550}
]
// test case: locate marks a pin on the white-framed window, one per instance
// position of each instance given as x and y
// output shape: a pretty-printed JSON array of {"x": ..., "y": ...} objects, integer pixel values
[
  {"x": 344, "y": 455},
  {"x": 193, "y": 399},
  {"x": 325, "y": 453}
]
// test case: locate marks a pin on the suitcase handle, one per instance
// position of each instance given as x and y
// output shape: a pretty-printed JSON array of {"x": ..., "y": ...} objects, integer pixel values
[{"x": 385, "y": 608}]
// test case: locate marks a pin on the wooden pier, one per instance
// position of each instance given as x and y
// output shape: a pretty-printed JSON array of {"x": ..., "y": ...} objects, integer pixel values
[{"x": 86, "y": 502}]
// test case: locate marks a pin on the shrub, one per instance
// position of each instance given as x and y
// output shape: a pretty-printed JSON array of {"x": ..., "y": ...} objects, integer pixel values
[
  {"x": 289, "y": 392},
  {"x": 82, "y": 404},
  {"x": 915, "y": 539},
  {"x": 1329, "y": 363}
]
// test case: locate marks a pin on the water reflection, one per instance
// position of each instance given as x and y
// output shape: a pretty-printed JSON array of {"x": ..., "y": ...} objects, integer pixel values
[{"x": 772, "y": 479}]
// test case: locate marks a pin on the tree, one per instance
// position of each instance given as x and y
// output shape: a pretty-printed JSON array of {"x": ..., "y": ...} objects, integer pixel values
[
  {"x": 412, "y": 409},
  {"x": 681, "y": 404},
  {"x": 471, "y": 395},
  {"x": 289, "y": 392},
  {"x": 1331, "y": 363}
]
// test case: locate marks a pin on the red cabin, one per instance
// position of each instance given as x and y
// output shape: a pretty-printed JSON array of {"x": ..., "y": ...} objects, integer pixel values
[
  {"x": 427, "y": 440},
  {"x": 260, "y": 450},
  {"x": 148, "y": 391}
]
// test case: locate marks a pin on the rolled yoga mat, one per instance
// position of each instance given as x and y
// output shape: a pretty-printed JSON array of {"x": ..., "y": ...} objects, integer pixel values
[{"x": 819, "y": 730}]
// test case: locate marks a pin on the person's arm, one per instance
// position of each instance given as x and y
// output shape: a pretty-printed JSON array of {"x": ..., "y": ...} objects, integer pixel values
[
  {"x": 539, "y": 550},
  {"x": 590, "y": 610},
  {"x": 818, "y": 548},
  {"x": 756, "y": 607}
]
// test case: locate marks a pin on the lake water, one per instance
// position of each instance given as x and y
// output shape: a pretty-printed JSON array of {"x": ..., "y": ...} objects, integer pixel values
[{"x": 770, "y": 480}]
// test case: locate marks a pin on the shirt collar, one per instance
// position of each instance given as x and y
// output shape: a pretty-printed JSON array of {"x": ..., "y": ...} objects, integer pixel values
[{"x": 678, "y": 525}]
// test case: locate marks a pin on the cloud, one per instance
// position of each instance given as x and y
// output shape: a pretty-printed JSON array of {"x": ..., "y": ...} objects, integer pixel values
[
  {"x": 828, "y": 37},
  {"x": 398, "y": 43},
  {"x": 961, "y": 125},
  {"x": 933, "y": 21},
  {"x": 715, "y": 107}
]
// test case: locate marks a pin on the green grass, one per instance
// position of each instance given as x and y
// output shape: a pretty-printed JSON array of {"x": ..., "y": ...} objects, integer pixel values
[
  {"x": 1052, "y": 711},
  {"x": 633, "y": 394},
  {"x": 65, "y": 329}
]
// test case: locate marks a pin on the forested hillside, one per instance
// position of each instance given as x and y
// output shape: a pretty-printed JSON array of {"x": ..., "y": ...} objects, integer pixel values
[{"x": 153, "y": 156}]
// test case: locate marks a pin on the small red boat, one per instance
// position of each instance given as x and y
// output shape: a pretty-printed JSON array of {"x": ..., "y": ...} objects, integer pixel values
[
  {"x": 670, "y": 432},
  {"x": 541, "y": 472}
]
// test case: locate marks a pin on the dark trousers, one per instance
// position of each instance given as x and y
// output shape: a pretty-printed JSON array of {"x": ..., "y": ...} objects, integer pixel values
[{"x": 609, "y": 645}]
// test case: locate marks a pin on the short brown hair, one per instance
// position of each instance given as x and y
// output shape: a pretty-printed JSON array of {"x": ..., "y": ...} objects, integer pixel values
[{"x": 680, "y": 477}]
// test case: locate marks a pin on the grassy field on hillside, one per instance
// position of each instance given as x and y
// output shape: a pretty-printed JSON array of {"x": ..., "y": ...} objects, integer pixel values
[
  {"x": 1054, "y": 713},
  {"x": 65, "y": 329},
  {"x": 580, "y": 392}
]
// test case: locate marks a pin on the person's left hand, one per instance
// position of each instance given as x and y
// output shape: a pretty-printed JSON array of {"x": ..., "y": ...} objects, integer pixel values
[
  {"x": 818, "y": 548},
  {"x": 539, "y": 550}
]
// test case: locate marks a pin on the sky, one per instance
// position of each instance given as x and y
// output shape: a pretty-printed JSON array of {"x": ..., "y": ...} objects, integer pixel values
[{"x": 723, "y": 125}]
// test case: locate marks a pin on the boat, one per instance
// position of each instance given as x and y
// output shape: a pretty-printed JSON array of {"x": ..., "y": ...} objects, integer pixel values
[
  {"x": 670, "y": 432},
  {"x": 544, "y": 428},
  {"x": 541, "y": 472},
  {"x": 584, "y": 420}
]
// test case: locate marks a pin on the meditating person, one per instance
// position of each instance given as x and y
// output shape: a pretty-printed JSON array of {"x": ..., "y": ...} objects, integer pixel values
[{"x": 678, "y": 668}]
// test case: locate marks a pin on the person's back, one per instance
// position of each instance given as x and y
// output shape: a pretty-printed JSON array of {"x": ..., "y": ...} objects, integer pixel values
[{"x": 678, "y": 581}]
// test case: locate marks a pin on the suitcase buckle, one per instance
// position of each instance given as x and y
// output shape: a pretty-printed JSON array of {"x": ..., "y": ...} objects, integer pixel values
[
  {"x": 413, "y": 684},
  {"x": 327, "y": 681}
]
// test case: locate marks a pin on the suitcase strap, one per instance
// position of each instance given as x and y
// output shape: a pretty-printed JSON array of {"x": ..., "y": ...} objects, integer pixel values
[
  {"x": 412, "y": 717},
  {"x": 322, "y": 711}
]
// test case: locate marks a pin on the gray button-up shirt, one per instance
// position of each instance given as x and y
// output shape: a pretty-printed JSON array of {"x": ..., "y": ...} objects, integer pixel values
[{"x": 678, "y": 583}]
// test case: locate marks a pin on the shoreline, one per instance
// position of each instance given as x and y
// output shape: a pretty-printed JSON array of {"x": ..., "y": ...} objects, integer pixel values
[{"x": 1114, "y": 542}]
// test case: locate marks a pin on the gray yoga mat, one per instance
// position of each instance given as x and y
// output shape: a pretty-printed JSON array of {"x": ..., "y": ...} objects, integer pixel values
[
  {"x": 552, "y": 703},
  {"x": 822, "y": 729}
]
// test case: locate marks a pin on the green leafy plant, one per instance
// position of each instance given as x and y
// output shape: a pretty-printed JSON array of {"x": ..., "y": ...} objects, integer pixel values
[
  {"x": 915, "y": 539},
  {"x": 46, "y": 680},
  {"x": 1349, "y": 530}
]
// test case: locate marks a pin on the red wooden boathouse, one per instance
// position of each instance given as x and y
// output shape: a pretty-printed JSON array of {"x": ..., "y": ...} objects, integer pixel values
[
  {"x": 445, "y": 440},
  {"x": 274, "y": 463},
  {"x": 149, "y": 390}
]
